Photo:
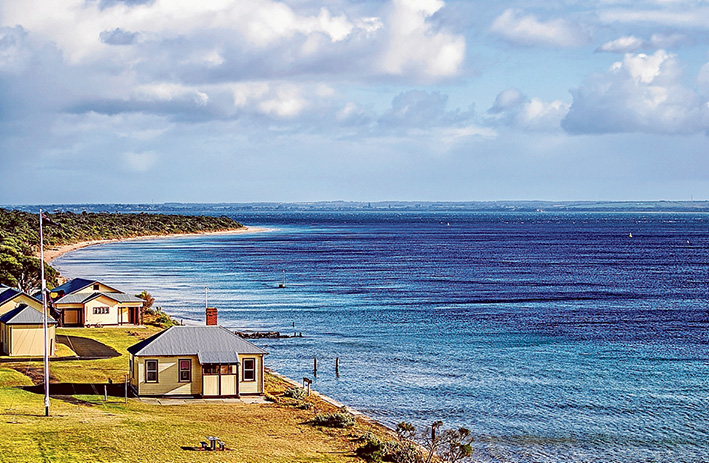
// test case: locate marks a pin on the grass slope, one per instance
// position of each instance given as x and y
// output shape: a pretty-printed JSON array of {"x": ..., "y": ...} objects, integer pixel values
[{"x": 85, "y": 428}]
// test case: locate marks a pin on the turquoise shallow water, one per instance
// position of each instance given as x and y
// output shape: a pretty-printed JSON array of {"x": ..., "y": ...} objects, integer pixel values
[{"x": 552, "y": 337}]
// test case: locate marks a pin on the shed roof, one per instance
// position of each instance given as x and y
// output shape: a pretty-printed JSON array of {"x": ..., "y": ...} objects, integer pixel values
[
  {"x": 207, "y": 342},
  {"x": 25, "y": 315},
  {"x": 83, "y": 298}
]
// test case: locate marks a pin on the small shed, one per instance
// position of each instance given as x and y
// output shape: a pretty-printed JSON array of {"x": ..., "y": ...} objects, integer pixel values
[
  {"x": 204, "y": 361},
  {"x": 21, "y": 332}
]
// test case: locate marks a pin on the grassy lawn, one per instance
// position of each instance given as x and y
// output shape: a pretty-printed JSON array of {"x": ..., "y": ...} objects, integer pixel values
[{"x": 85, "y": 428}]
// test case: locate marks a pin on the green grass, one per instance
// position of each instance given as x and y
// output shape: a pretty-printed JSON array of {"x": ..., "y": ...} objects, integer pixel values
[{"x": 85, "y": 428}]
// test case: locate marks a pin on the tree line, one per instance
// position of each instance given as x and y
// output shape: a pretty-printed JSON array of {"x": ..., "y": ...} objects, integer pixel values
[{"x": 19, "y": 237}]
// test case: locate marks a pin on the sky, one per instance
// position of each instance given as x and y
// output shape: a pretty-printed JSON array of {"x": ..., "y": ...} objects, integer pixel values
[{"x": 141, "y": 101}]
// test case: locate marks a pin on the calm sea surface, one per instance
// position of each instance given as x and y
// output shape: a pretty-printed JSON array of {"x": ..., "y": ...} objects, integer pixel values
[{"x": 554, "y": 338}]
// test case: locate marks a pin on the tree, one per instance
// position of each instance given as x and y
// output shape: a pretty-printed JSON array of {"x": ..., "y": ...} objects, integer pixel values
[
  {"x": 148, "y": 302},
  {"x": 448, "y": 446}
]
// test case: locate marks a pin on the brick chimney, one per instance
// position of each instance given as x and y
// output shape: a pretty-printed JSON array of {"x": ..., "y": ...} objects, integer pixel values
[{"x": 211, "y": 316}]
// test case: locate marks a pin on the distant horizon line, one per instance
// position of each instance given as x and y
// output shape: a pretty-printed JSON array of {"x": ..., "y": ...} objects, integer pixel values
[
  {"x": 224, "y": 208},
  {"x": 359, "y": 202}
]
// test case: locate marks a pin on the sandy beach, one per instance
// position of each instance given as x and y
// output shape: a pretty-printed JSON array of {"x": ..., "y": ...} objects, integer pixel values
[{"x": 51, "y": 253}]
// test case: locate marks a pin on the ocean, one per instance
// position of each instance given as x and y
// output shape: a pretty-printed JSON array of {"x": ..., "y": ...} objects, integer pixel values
[{"x": 553, "y": 337}]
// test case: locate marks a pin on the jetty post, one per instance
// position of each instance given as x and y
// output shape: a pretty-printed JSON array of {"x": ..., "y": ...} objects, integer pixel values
[
  {"x": 337, "y": 366},
  {"x": 315, "y": 366}
]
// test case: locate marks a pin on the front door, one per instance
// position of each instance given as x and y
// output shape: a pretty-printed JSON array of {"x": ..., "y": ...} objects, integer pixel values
[
  {"x": 219, "y": 380},
  {"x": 71, "y": 317}
]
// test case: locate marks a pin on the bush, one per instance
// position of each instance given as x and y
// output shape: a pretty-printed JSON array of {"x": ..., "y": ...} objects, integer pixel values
[
  {"x": 373, "y": 448},
  {"x": 295, "y": 392},
  {"x": 341, "y": 419}
]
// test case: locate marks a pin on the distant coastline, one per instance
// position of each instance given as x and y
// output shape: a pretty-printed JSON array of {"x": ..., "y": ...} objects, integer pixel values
[
  {"x": 51, "y": 253},
  {"x": 238, "y": 209}
]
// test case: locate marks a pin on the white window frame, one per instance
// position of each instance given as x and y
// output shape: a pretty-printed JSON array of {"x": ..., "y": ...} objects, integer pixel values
[
  {"x": 150, "y": 370},
  {"x": 251, "y": 370}
]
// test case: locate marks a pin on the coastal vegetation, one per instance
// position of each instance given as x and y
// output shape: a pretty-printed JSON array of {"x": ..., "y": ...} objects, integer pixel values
[{"x": 19, "y": 237}]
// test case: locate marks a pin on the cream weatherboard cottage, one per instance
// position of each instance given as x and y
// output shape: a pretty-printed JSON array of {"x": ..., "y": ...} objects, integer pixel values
[
  {"x": 206, "y": 361},
  {"x": 82, "y": 302}
]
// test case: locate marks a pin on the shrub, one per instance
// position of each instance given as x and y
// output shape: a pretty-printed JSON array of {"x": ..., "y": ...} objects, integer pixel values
[
  {"x": 295, "y": 392},
  {"x": 341, "y": 419},
  {"x": 373, "y": 449}
]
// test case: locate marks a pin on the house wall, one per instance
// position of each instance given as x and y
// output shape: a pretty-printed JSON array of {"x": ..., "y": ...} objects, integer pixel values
[
  {"x": 168, "y": 377},
  {"x": 251, "y": 387},
  {"x": 112, "y": 317},
  {"x": 20, "y": 299},
  {"x": 26, "y": 340}
]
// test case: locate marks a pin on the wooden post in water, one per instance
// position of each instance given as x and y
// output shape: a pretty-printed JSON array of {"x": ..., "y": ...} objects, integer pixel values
[
  {"x": 337, "y": 366},
  {"x": 315, "y": 366}
]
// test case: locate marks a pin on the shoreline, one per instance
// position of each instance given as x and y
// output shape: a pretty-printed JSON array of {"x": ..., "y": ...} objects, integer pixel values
[{"x": 52, "y": 253}]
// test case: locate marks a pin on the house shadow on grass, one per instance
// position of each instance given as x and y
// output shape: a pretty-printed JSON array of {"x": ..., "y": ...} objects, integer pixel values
[{"x": 67, "y": 391}]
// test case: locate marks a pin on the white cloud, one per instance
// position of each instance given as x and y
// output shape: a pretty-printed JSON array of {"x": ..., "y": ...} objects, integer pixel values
[
  {"x": 641, "y": 93},
  {"x": 507, "y": 99},
  {"x": 286, "y": 101},
  {"x": 513, "y": 25},
  {"x": 683, "y": 16},
  {"x": 630, "y": 44},
  {"x": 512, "y": 108},
  {"x": 622, "y": 45},
  {"x": 140, "y": 162},
  {"x": 416, "y": 47}
]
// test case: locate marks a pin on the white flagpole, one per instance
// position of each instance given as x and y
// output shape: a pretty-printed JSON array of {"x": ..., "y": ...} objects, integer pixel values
[{"x": 44, "y": 319}]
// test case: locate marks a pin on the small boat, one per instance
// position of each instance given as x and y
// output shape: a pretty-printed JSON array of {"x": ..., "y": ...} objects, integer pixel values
[
  {"x": 282, "y": 284},
  {"x": 630, "y": 235}
]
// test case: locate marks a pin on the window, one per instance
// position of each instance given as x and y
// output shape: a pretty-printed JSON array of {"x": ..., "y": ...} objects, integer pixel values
[
  {"x": 95, "y": 287},
  {"x": 217, "y": 369},
  {"x": 151, "y": 371},
  {"x": 249, "y": 371},
  {"x": 185, "y": 370},
  {"x": 100, "y": 310}
]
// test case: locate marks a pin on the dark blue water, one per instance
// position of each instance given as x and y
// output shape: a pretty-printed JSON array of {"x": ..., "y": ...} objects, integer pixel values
[{"x": 552, "y": 337}]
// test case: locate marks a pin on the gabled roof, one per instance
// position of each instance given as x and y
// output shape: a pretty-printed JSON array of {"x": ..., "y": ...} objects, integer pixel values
[
  {"x": 77, "y": 284},
  {"x": 7, "y": 294},
  {"x": 83, "y": 298},
  {"x": 25, "y": 315},
  {"x": 212, "y": 344},
  {"x": 73, "y": 285}
]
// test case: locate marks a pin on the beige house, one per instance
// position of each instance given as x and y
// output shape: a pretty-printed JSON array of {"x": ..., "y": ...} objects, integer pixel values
[
  {"x": 22, "y": 325},
  {"x": 21, "y": 332},
  {"x": 204, "y": 361},
  {"x": 82, "y": 302}
]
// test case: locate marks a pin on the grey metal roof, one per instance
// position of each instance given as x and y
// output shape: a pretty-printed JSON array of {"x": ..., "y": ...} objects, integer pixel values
[
  {"x": 82, "y": 298},
  {"x": 25, "y": 315},
  {"x": 208, "y": 341},
  {"x": 217, "y": 357}
]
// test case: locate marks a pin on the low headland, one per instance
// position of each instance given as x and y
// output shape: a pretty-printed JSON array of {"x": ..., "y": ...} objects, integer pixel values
[{"x": 89, "y": 423}]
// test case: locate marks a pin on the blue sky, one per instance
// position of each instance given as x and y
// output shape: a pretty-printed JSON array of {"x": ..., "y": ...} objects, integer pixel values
[{"x": 298, "y": 100}]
